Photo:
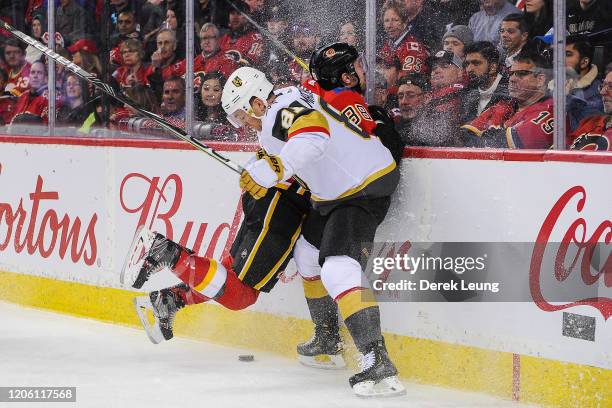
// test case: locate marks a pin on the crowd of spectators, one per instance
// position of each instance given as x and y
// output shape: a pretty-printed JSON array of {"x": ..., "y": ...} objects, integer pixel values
[{"x": 455, "y": 73}]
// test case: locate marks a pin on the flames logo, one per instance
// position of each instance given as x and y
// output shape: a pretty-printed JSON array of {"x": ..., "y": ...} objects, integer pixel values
[{"x": 330, "y": 52}]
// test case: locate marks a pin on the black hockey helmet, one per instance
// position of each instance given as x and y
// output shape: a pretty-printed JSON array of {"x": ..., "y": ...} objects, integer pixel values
[{"x": 329, "y": 62}]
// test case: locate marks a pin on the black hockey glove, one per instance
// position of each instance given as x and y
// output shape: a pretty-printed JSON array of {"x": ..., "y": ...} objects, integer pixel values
[{"x": 385, "y": 130}]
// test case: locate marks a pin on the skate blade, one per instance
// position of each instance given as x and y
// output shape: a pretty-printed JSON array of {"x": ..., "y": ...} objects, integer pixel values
[
  {"x": 135, "y": 257},
  {"x": 143, "y": 308},
  {"x": 324, "y": 361},
  {"x": 387, "y": 387}
]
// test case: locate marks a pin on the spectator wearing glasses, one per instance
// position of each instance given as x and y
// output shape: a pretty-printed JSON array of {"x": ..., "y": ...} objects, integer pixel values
[
  {"x": 401, "y": 47},
  {"x": 583, "y": 97},
  {"x": 532, "y": 126},
  {"x": 514, "y": 33},
  {"x": 486, "y": 85},
  {"x": 412, "y": 97},
  {"x": 132, "y": 72},
  {"x": 595, "y": 132},
  {"x": 485, "y": 23}
]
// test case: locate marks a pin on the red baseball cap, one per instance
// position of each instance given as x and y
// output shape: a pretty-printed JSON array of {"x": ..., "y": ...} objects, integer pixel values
[{"x": 84, "y": 45}]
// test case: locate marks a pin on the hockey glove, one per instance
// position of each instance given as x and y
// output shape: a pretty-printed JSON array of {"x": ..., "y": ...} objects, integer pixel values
[
  {"x": 385, "y": 130},
  {"x": 249, "y": 185}
]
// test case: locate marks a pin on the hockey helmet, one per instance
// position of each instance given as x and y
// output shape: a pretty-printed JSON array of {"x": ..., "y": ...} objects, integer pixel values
[
  {"x": 329, "y": 62},
  {"x": 241, "y": 86}
]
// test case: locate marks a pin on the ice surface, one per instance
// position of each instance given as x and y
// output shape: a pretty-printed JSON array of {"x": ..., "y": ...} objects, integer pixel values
[{"x": 116, "y": 366}]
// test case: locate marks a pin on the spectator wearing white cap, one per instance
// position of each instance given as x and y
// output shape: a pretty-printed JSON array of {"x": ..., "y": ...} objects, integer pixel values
[{"x": 456, "y": 39}]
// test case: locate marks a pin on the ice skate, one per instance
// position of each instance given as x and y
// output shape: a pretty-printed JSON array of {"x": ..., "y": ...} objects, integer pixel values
[
  {"x": 323, "y": 350},
  {"x": 378, "y": 376},
  {"x": 149, "y": 253},
  {"x": 162, "y": 307}
]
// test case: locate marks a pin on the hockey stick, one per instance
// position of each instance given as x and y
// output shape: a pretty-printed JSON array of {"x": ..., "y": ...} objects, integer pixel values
[
  {"x": 270, "y": 37},
  {"x": 90, "y": 78}
]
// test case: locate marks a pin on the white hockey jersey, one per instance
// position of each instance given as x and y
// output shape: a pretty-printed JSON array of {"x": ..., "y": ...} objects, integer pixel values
[{"x": 314, "y": 142}]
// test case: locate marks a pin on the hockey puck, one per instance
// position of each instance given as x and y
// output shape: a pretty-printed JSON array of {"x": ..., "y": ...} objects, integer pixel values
[{"x": 246, "y": 357}]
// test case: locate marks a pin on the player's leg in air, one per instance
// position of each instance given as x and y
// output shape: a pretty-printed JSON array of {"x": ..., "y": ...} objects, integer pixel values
[{"x": 262, "y": 249}]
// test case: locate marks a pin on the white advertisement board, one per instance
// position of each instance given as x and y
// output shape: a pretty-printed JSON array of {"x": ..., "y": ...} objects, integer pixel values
[{"x": 69, "y": 212}]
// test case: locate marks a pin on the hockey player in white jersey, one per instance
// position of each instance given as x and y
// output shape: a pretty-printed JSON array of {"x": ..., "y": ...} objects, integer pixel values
[{"x": 350, "y": 175}]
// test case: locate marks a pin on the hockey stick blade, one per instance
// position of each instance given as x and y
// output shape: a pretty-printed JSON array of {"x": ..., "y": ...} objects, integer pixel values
[{"x": 92, "y": 79}]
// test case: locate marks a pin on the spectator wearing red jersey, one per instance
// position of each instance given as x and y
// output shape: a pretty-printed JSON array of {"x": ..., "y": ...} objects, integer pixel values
[
  {"x": 445, "y": 107},
  {"x": 532, "y": 126},
  {"x": 18, "y": 68},
  {"x": 164, "y": 61},
  {"x": 132, "y": 72},
  {"x": 212, "y": 57},
  {"x": 423, "y": 22},
  {"x": 243, "y": 43},
  {"x": 400, "y": 45},
  {"x": 595, "y": 132},
  {"x": 33, "y": 105},
  {"x": 7, "y": 101}
]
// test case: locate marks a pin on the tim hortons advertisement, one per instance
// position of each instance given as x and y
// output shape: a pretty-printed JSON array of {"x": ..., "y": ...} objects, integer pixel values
[{"x": 70, "y": 212}]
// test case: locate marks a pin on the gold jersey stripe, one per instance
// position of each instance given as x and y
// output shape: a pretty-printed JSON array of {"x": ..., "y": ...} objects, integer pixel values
[
  {"x": 262, "y": 235},
  {"x": 373, "y": 177}
]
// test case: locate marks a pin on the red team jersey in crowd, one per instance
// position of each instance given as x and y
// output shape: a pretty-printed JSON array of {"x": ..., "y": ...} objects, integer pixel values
[
  {"x": 18, "y": 81},
  {"x": 529, "y": 128},
  {"x": 532, "y": 127},
  {"x": 215, "y": 62},
  {"x": 593, "y": 133},
  {"x": 248, "y": 46},
  {"x": 348, "y": 102},
  {"x": 494, "y": 116},
  {"x": 126, "y": 79},
  {"x": 37, "y": 105},
  {"x": 171, "y": 70},
  {"x": 409, "y": 52}
]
